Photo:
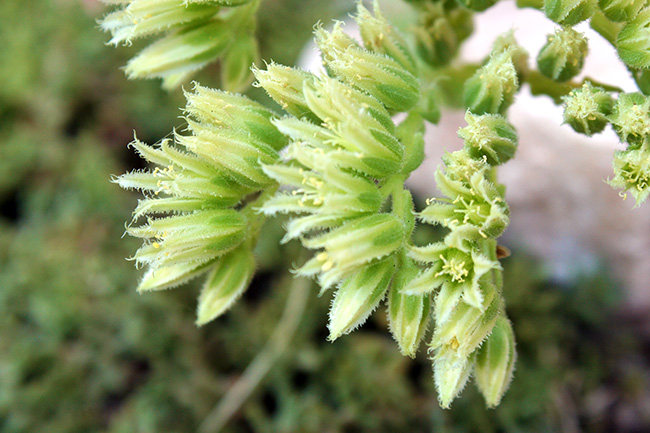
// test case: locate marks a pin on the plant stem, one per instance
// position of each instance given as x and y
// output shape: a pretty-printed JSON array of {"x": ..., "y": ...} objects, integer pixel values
[{"x": 255, "y": 372}]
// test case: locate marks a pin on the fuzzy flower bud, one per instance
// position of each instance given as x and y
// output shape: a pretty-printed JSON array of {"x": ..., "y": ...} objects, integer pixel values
[
  {"x": 225, "y": 283},
  {"x": 175, "y": 56},
  {"x": 236, "y": 63},
  {"x": 358, "y": 296},
  {"x": 489, "y": 136},
  {"x": 492, "y": 88},
  {"x": 284, "y": 85},
  {"x": 620, "y": 10},
  {"x": 454, "y": 344},
  {"x": 440, "y": 32},
  {"x": 587, "y": 108},
  {"x": 633, "y": 41},
  {"x": 569, "y": 12},
  {"x": 408, "y": 315},
  {"x": 631, "y": 118},
  {"x": 495, "y": 362},
  {"x": 145, "y": 17},
  {"x": 563, "y": 55},
  {"x": 376, "y": 74},
  {"x": 379, "y": 36}
]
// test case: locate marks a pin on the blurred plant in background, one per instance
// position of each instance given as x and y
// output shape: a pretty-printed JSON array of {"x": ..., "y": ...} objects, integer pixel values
[{"x": 81, "y": 351}]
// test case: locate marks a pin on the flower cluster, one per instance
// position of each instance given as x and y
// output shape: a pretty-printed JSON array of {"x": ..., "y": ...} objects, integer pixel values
[
  {"x": 200, "y": 198},
  {"x": 196, "y": 32},
  {"x": 463, "y": 268},
  {"x": 345, "y": 158},
  {"x": 631, "y": 121}
]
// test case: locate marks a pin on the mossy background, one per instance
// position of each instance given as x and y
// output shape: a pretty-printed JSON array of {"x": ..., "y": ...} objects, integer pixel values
[{"x": 80, "y": 351}]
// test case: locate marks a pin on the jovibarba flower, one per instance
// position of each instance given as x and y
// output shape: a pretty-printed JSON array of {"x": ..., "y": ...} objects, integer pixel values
[{"x": 199, "y": 211}]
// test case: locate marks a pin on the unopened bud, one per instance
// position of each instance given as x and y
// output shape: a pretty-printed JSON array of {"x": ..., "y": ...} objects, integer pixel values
[
  {"x": 495, "y": 362},
  {"x": 620, "y": 10},
  {"x": 631, "y": 118},
  {"x": 489, "y": 136},
  {"x": 563, "y": 55},
  {"x": 492, "y": 88},
  {"x": 477, "y": 5}
]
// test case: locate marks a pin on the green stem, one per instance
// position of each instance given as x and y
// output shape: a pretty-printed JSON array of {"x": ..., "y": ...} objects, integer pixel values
[
  {"x": 605, "y": 28},
  {"x": 536, "y": 4},
  {"x": 255, "y": 372}
]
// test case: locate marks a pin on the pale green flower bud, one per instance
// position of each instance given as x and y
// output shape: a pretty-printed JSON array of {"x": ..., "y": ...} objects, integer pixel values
[
  {"x": 563, "y": 55},
  {"x": 171, "y": 276},
  {"x": 437, "y": 41},
  {"x": 631, "y": 118},
  {"x": 632, "y": 172},
  {"x": 492, "y": 88},
  {"x": 284, "y": 85},
  {"x": 455, "y": 343},
  {"x": 569, "y": 12},
  {"x": 642, "y": 78},
  {"x": 358, "y": 296},
  {"x": 357, "y": 242},
  {"x": 218, "y": 110},
  {"x": 381, "y": 37},
  {"x": 376, "y": 74},
  {"x": 232, "y": 153},
  {"x": 145, "y": 17},
  {"x": 181, "y": 52},
  {"x": 495, "y": 362},
  {"x": 587, "y": 108},
  {"x": 507, "y": 42},
  {"x": 226, "y": 282},
  {"x": 408, "y": 315},
  {"x": 236, "y": 64},
  {"x": 450, "y": 373},
  {"x": 191, "y": 238},
  {"x": 477, "y": 5},
  {"x": 621, "y": 10},
  {"x": 633, "y": 41},
  {"x": 489, "y": 136}
]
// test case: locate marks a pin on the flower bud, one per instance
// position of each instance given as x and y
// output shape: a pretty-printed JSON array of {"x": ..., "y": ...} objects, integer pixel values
[
  {"x": 236, "y": 63},
  {"x": 492, "y": 88},
  {"x": 631, "y": 118},
  {"x": 176, "y": 55},
  {"x": 569, "y": 12},
  {"x": 376, "y": 74},
  {"x": 358, "y": 242},
  {"x": 218, "y": 110},
  {"x": 519, "y": 55},
  {"x": 358, "y": 296},
  {"x": 477, "y": 5},
  {"x": 633, "y": 41},
  {"x": 563, "y": 55},
  {"x": 145, "y": 17},
  {"x": 620, "y": 10},
  {"x": 379, "y": 36},
  {"x": 642, "y": 78},
  {"x": 437, "y": 42},
  {"x": 191, "y": 238},
  {"x": 632, "y": 172},
  {"x": 450, "y": 373},
  {"x": 489, "y": 136},
  {"x": 587, "y": 108},
  {"x": 284, "y": 85},
  {"x": 226, "y": 282},
  {"x": 495, "y": 362}
]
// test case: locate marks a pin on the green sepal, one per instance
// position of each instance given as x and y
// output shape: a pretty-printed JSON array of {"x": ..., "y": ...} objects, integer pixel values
[
  {"x": 495, "y": 362},
  {"x": 236, "y": 64},
  {"x": 169, "y": 277},
  {"x": 586, "y": 109},
  {"x": 358, "y": 296},
  {"x": 492, "y": 88},
  {"x": 226, "y": 282},
  {"x": 408, "y": 315},
  {"x": 621, "y": 10}
]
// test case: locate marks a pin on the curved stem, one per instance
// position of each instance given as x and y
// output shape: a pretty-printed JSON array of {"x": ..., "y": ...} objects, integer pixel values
[{"x": 255, "y": 372}]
